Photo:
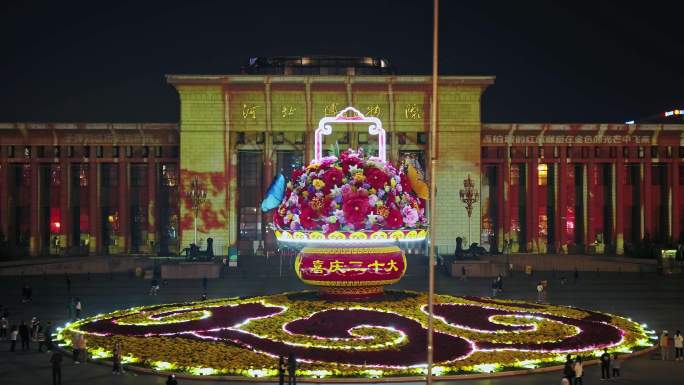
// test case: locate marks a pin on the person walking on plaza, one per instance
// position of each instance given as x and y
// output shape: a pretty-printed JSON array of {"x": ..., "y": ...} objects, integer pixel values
[
  {"x": 171, "y": 380},
  {"x": 540, "y": 291},
  {"x": 495, "y": 288},
  {"x": 575, "y": 276},
  {"x": 24, "y": 336},
  {"x": 569, "y": 369},
  {"x": 13, "y": 337},
  {"x": 56, "y": 361},
  {"x": 116, "y": 359},
  {"x": 48, "y": 336},
  {"x": 154, "y": 288},
  {"x": 35, "y": 325},
  {"x": 75, "y": 355},
  {"x": 605, "y": 365},
  {"x": 615, "y": 364},
  {"x": 291, "y": 370},
  {"x": 40, "y": 337},
  {"x": 82, "y": 348},
  {"x": 205, "y": 284},
  {"x": 281, "y": 370},
  {"x": 679, "y": 346},
  {"x": 78, "y": 306},
  {"x": 665, "y": 346},
  {"x": 4, "y": 324},
  {"x": 463, "y": 273},
  {"x": 579, "y": 370}
]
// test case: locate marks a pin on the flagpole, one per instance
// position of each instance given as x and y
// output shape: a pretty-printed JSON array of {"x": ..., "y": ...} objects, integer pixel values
[{"x": 433, "y": 160}]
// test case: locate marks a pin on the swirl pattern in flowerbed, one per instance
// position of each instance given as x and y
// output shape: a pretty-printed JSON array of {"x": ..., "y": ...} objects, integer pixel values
[{"x": 382, "y": 337}]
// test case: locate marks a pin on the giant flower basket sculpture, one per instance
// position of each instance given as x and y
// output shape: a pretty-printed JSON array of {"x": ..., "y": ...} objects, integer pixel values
[{"x": 351, "y": 212}]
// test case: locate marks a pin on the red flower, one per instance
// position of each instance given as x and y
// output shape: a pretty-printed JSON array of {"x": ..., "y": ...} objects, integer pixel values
[
  {"x": 332, "y": 177},
  {"x": 297, "y": 173},
  {"x": 394, "y": 220},
  {"x": 390, "y": 200},
  {"x": 355, "y": 209},
  {"x": 348, "y": 161},
  {"x": 307, "y": 218},
  {"x": 330, "y": 227},
  {"x": 375, "y": 177},
  {"x": 278, "y": 219},
  {"x": 406, "y": 184}
]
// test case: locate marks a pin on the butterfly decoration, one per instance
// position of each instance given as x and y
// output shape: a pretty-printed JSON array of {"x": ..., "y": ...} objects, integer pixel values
[
  {"x": 415, "y": 176},
  {"x": 274, "y": 194}
]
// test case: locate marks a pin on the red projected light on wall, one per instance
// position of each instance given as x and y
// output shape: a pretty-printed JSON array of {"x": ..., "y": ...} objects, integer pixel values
[{"x": 55, "y": 227}]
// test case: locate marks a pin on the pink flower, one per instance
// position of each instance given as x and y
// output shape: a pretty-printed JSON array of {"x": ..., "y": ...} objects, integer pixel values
[{"x": 410, "y": 216}]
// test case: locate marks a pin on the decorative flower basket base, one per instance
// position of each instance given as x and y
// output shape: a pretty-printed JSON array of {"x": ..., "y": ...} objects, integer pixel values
[{"x": 348, "y": 272}]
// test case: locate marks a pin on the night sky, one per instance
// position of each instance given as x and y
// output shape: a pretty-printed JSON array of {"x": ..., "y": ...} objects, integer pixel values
[{"x": 66, "y": 61}]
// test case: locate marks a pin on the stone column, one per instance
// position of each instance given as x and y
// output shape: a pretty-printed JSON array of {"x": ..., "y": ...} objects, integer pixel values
[
  {"x": 124, "y": 237},
  {"x": 675, "y": 214},
  {"x": 533, "y": 202},
  {"x": 152, "y": 183},
  {"x": 500, "y": 200},
  {"x": 94, "y": 215},
  {"x": 34, "y": 240},
  {"x": 4, "y": 196},
  {"x": 647, "y": 213},
  {"x": 589, "y": 196},
  {"x": 562, "y": 200},
  {"x": 65, "y": 238},
  {"x": 619, "y": 213}
]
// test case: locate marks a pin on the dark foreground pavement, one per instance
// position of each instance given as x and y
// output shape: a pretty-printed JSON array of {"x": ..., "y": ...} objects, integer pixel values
[{"x": 653, "y": 299}]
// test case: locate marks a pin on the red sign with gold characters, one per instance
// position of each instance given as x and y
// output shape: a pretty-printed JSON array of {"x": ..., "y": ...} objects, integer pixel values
[{"x": 351, "y": 266}]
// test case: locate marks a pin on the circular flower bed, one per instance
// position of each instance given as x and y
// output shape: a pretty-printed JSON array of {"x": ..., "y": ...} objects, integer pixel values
[
  {"x": 375, "y": 338},
  {"x": 353, "y": 193}
]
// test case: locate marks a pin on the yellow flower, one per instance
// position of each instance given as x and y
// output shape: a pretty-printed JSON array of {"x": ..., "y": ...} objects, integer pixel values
[
  {"x": 358, "y": 177},
  {"x": 318, "y": 184}
]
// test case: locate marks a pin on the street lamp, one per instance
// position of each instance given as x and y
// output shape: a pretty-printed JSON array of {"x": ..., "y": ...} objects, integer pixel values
[
  {"x": 197, "y": 195},
  {"x": 469, "y": 196}
]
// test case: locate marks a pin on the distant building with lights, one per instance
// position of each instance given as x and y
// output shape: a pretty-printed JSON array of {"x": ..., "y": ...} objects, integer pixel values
[{"x": 109, "y": 188}]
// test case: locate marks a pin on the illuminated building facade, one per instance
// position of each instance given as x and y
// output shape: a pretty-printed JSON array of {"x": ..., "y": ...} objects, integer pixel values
[{"x": 123, "y": 188}]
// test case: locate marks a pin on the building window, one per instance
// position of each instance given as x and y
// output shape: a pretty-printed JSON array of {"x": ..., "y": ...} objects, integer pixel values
[
  {"x": 542, "y": 172},
  {"x": 422, "y": 138},
  {"x": 288, "y": 161},
  {"x": 250, "y": 167},
  {"x": 279, "y": 138}
]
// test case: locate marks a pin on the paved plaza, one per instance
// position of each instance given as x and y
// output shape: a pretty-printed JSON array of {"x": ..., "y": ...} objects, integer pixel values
[{"x": 648, "y": 298}]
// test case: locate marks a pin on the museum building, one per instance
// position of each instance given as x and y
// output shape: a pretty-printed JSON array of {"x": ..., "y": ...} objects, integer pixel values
[{"x": 127, "y": 188}]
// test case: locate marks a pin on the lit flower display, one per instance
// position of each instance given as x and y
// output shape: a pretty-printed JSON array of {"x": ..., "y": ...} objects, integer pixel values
[
  {"x": 374, "y": 338},
  {"x": 354, "y": 192}
]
